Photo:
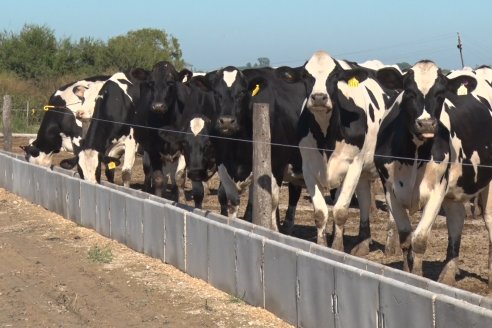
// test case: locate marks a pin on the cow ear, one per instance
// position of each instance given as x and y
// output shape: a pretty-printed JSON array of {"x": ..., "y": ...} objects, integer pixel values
[
  {"x": 288, "y": 74},
  {"x": 69, "y": 163},
  {"x": 353, "y": 76},
  {"x": 185, "y": 75},
  {"x": 456, "y": 85},
  {"x": 111, "y": 162},
  {"x": 256, "y": 85},
  {"x": 390, "y": 78},
  {"x": 139, "y": 74},
  {"x": 202, "y": 83}
]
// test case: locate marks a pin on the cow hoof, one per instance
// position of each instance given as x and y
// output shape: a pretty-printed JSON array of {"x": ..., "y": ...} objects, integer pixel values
[
  {"x": 448, "y": 274},
  {"x": 390, "y": 247},
  {"x": 361, "y": 249},
  {"x": 287, "y": 228},
  {"x": 338, "y": 244}
]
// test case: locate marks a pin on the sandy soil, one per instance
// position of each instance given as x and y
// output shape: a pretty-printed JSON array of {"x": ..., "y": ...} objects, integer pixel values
[{"x": 49, "y": 279}]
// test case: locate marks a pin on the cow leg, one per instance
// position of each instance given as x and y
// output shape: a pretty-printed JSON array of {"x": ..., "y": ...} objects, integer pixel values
[
  {"x": 180, "y": 178},
  {"x": 392, "y": 242},
  {"x": 158, "y": 179},
  {"x": 402, "y": 222},
  {"x": 486, "y": 202},
  {"x": 320, "y": 208},
  {"x": 231, "y": 192},
  {"x": 222, "y": 196},
  {"x": 198, "y": 193},
  {"x": 248, "y": 213},
  {"x": 147, "y": 168},
  {"x": 455, "y": 219},
  {"x": 128, "y": 160},
  {"x": 294, "y": 195},
  {"x": 340, "y": 209},
  {"x": 363, "y": 192},
  {"x": 275, "y": 198},
  {"x": 429, "y": 214}
]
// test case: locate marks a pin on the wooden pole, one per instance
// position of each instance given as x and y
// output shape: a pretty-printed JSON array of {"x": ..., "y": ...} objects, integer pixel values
[
  {"x": 262, "y": 166},
  {"x": 7, "y": 128}
]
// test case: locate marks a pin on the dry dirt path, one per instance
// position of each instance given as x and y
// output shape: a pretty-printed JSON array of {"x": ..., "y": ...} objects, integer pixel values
[{"x": 48, "y": 279}]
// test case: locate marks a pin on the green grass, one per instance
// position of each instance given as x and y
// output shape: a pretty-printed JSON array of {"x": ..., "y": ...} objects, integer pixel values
[{"x": 100, "y": 254}]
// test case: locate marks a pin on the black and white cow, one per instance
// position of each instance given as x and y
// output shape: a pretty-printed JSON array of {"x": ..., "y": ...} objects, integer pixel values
[
  {"x": 338, "y": 130},
  {"x": 235, "y": 94},
  {"x": 192, "y": 131},
  {"x": 114, "y": 111},
  {"x": 434, "y": 149},
  {"x": 130, "y": 108},
  {"x": 62, "y": 125}
]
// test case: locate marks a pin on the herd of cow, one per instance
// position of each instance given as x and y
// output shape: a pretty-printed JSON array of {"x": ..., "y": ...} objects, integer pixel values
[{"x": 335, "y": 125}]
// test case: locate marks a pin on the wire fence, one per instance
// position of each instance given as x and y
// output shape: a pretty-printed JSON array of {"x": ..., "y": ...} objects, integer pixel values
[
  {"x": 167, "y": 130},
  {"x": 24, "y": 120}
]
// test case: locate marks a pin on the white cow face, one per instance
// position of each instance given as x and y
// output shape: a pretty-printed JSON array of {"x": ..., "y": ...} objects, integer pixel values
[
  {"x": 89, "y": 165},
  {"x": 320, "y": 68},
  {"x": 424, "y": 89}
]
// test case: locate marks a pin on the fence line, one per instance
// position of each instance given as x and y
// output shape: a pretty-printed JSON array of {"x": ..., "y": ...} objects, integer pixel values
[{"x": 263, "y": 142}]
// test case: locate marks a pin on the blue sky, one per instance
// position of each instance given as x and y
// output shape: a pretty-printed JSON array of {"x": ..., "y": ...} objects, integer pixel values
[{"x": 217, "y": 33}]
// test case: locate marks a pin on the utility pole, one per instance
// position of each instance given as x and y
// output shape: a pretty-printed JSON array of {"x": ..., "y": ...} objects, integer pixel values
[{"x": 460, "y": 46}]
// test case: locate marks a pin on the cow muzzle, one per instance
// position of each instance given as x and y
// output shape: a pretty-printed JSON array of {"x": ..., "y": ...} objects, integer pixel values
[
  {"x": 159, "y": 107},
  {"x": 319, "y": 102},
  {"x": 227, "y": 124},
  {"x": 426, "y": 128}
]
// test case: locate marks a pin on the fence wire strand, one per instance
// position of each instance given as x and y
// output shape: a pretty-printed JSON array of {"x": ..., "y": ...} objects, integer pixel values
[{"x": 132, "y": 125}]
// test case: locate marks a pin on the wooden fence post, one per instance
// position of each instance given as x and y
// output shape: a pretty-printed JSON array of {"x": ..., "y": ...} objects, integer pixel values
[
  {"x": 262, "y": 166},
  {"x": 7, "y": 128}
]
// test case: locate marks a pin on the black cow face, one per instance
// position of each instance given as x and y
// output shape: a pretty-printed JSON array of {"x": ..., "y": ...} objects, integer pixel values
[
  {"x": 198, "y": 149},
  {"x": 424, "y": 90},
  {"x": 162, "y": 83},
  {"x": 230, "y": 91}
]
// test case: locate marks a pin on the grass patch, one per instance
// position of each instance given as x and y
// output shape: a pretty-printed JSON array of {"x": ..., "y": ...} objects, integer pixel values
[{"x": 100, "y": 254}]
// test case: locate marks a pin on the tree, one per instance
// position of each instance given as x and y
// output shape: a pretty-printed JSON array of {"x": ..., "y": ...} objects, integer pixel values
[
  {"x": 29, "y": 54},
  {"x": 263, "y": 62},
  {"x": 143, "y": 48}
]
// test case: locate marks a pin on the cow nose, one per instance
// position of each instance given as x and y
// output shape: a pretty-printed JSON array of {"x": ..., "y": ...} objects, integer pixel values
[
  {"x": 159, "y": 107},
  {"x": 319, "y": 99},
  {"x": 427, "y": 123},
  {"x": 227, "y": 121}
]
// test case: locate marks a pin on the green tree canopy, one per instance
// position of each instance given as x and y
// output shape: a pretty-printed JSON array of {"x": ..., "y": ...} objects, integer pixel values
[
  {"x": 143, "y": 48},
  {"x": 29, "y": 54}
]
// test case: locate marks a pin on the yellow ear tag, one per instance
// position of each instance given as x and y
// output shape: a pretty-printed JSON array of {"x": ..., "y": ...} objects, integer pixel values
[
  {"x": 462, "y": 90},
  {"x": 255, "y": 90},
  {"x": 47, "y": 107},
  {"x": 353, "y": 82},
  {"x": 111, "y": 165}
]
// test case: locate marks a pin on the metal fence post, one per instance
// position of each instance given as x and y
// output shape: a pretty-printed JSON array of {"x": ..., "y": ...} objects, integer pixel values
[
  {"x": 262, "y": 170},
  {"x": 7, "y": 128}
]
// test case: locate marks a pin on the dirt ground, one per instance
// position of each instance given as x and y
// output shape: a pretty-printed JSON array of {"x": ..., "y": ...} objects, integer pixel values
[{"x": 46, "y": 278}]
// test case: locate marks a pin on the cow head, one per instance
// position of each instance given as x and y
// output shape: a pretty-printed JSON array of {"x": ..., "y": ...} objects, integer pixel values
[
  {"x": 196, "y": 147},
  {"x": 162, "y": 83},
  {"x": 424, "y": 89},
  {"x": 35, "y": 156},
  {"x": 89, "y": 164},
  {"x": 230, "y": 92}
]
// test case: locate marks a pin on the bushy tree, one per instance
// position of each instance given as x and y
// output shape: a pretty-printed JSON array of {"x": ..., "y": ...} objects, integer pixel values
[
  {"x": 31, "y": 53},
  {"x": 143, "y": 48}
]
